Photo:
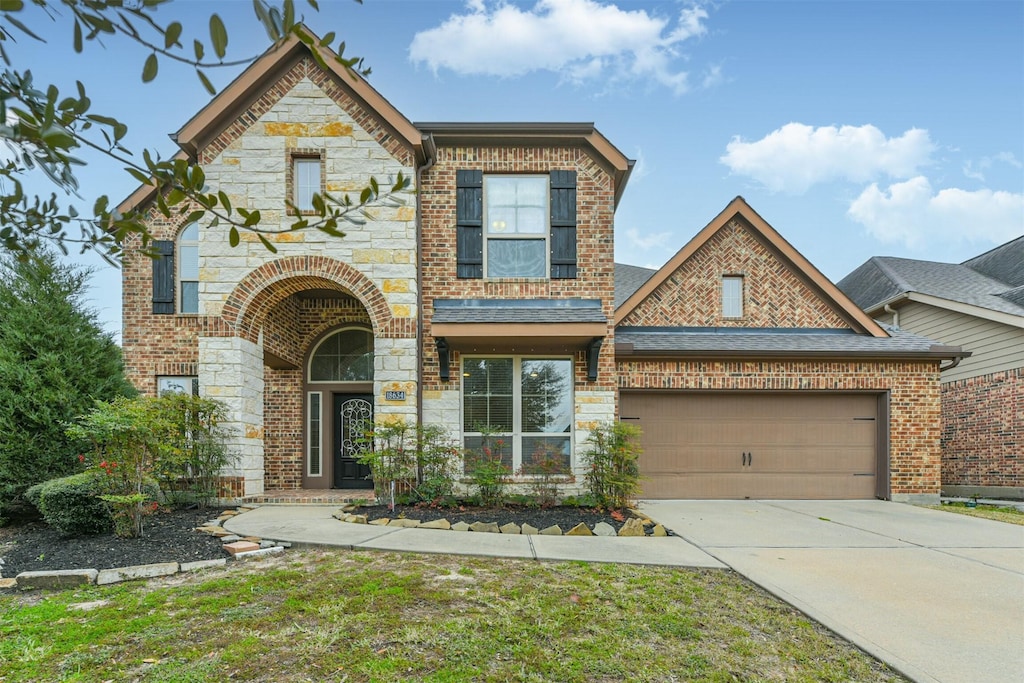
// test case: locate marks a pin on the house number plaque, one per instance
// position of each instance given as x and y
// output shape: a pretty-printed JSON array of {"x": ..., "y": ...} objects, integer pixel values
[{"x": 394, "y": 395}]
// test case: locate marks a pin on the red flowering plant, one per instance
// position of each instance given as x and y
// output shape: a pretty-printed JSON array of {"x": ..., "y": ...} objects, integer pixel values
[{"x": 126, "y": 438}]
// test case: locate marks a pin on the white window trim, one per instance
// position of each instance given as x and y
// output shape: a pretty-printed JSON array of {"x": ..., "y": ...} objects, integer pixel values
[
  {"x": 517, "y": 432},
  {"x": 727, "y": 301},
  {"x": 545, "y": 236},
  {"x": 191, "y": 380},
  {"x": 319, "y": 443},
  {"x": 298, "y": 188},
  {"x": 178, "y": 262}
]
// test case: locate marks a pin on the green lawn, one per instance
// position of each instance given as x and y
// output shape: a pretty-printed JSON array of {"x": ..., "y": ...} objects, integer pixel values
[
  {"x": 1000, "y": 514},
  {"x": 362, "y": 616}
]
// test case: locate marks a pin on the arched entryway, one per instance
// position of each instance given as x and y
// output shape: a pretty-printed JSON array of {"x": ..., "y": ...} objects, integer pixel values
[{"x": 338, "y": 390}]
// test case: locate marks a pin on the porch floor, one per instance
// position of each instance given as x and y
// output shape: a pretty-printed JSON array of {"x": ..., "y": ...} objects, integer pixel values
[{"x": 309, "y": 496}]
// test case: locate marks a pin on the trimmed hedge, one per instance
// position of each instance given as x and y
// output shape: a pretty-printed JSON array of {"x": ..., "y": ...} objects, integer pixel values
[{"x": 72, "y": 506}]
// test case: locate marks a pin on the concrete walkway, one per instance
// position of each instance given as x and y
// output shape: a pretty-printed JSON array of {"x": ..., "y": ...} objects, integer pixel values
[
  {"x": 314, "y": 525},
  {"x": 938, "y": 596}
]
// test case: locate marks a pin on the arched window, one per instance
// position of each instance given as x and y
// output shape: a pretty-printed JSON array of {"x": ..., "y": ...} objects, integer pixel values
[
  {"x": 345, "y": 356},
  {"x": 188, "y": 270}
]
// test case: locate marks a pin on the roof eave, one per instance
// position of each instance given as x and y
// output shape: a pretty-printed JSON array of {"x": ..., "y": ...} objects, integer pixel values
[
  {"x": 951, "y": 305},
  {"x": 626, "y": 350}
]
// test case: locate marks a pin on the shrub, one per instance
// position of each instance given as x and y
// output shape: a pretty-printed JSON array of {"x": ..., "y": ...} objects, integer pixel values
[
  {"x": 195, "y": 451},
  {"x": 419, "y": 458},
  {"x": 614, "y": 472},
  {"x": 72, "y": 506},
  {"x": 487, "y": 471}
]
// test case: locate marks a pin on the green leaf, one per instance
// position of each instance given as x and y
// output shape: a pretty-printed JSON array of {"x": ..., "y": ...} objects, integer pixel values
[
  {"x": 218, "y": 36},
  {"x": 172, "y": 34},
  {"x": 11, "y": 5},
  {"x": 199, "y": 49},
  {"x": 224, "y": 201},
  {"x": 252, "y": 219},
  {"x": 266, "y": 243},
  {"x": 206, "y": 82},
  {"x": 289, "y": 15},
  {"x": 78, "y": 36},
  {"x": 138, "y": 175},
  {"x": 263, "y": 14},
  {"x": 314, "y": 5},
  {"x": 364, "y": 196},
  {"x": 233, "y": 237},
  {"x": 150, "y": 68}
]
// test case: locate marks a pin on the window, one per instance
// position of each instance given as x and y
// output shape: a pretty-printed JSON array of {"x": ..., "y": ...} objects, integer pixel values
[
  {"x": 315, "y": 432},
  {"x": 188, "y": 269},
  {"x": 732, "y": 296},
  {"x": 306, "y": 174},
  {"x": 516, "y": 226},
  {"x": 177, "y": 385},
  {"x": 345, "y": 356},
  {"x": 519, "y": 409}
]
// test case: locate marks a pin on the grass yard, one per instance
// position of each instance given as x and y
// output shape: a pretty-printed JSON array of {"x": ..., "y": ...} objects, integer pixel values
[
  {"x": 1000, "y": 514},
  {"x": 317, "y": 615}
]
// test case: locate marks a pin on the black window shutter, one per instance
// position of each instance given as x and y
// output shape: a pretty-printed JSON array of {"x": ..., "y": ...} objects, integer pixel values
[
  {"x": 563, "y": 224},
  {"x": 163, "y": 277},
  {"x": 469, "y": 221}
]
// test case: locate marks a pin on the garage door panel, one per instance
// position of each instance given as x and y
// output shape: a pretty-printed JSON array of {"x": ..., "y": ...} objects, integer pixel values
[{"x": 813, "y": 445}]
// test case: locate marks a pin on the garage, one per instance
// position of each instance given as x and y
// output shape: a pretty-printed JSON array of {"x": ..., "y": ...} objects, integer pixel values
[{"x": 808, "y": 445}]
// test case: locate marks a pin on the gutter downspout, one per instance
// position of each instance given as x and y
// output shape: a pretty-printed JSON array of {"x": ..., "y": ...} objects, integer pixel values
[
  {"x": 895, "y": 315},
  {"x": 430, "y": 152}
]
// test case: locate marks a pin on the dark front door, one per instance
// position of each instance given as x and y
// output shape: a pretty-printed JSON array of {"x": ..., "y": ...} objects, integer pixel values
[{"x": 353, "y": 416}]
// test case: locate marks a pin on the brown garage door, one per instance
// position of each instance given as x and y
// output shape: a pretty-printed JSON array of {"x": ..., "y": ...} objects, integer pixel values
[{"x": 756, "y": 445}]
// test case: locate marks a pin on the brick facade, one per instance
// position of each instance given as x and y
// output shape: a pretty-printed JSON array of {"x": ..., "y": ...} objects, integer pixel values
[
  {"x": 913, "y": 388},
  {"x": 983, "y": 430}
]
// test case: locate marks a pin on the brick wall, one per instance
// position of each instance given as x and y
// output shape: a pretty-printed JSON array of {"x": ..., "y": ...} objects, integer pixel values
[
  {"x": 983, "y": 430},
  {"x": 773, "y": 295},
  {"x": 914, "y": 429}
]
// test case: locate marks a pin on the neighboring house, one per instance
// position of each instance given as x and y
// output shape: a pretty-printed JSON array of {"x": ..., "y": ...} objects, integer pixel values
[
  {"x": 490, "y": 301},
  {"x": 978, "y": 305}
]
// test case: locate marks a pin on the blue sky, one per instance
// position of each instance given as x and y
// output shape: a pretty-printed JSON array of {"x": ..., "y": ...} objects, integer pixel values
[{"x": 854, "y": 128}]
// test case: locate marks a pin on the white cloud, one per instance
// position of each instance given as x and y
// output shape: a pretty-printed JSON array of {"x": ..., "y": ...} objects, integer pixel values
[
  {"x": 985, "y": 163},
  {"x": 579, "y": 39},
  {"x": 797, "y": 156},
  {"x": 912, "y": 213},
  {"x": 645, "y": 241}
]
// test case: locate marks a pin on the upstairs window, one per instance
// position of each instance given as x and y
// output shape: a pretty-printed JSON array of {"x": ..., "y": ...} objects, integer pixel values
[
  {"x": 304, "y": 179},
  {"x": 188, "y": 269},
  {"x": 177, "y": 385},
  {"x": 516, "y": 226},
  {"x": 732, "y": 296}
]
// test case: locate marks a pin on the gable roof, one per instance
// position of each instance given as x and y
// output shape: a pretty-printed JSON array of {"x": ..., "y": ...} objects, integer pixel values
[
  {"x": 628, "y": 279},
  {"x": 989, "y": 286},
  {"x": 226, "y": 106},
  {"x": 801, "y": 267}
]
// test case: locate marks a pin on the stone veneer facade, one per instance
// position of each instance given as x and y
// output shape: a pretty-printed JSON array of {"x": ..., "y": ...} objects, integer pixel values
[{"x": 983, "y": 430}]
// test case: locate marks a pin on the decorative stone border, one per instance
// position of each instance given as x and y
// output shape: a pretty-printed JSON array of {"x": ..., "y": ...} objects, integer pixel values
[
  {"x": 634, "y": 526},
  {"x": 239, "y": 548}
]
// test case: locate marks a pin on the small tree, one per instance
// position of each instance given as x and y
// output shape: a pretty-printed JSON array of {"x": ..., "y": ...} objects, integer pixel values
[
  {"x": 486, "y": 468},
  {"x": 614, "y": 472},
  {"x": 420, "y": 458},
  {"x": 55, "y": 362}
]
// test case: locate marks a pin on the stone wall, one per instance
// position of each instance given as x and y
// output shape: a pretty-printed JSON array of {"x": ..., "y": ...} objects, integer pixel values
[{"x": 983, "y": 430}]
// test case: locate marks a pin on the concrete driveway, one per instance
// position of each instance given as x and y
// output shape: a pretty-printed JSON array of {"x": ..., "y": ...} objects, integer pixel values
[{"x": 936, "y": 595}]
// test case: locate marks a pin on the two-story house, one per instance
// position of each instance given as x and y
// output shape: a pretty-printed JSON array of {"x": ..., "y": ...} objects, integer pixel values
[{"x": 490, "y": 303}]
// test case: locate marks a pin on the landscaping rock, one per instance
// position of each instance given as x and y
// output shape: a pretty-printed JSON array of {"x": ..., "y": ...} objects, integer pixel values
[
  {"x": 230, "y": 538},
  {"x": 229, "y": 513},
  {"x": 202, "y": 564},
  {"x": 252, "y": 539},
  {"x": 248, "y": 506},
  {"x": 510, "y": 528},
  {"x": 529, "y": 530},
  {"x": 659, "y": 530},
  {"x": 604, "y": 529},
  {"x": 383, "y": 521},
  {"x": 267, "y": 544},
  {"x": 8, "y": 583},
  {"x": 241, "y": 547},
  {"x": 485, "y": 527},
  {"x": 404, "y": 523},
  {"x": 460, "y": 526},
  {"x": 437, "y": 524},
  {"x": 61, "y": 578},
  {"x": 553, "y": 530},
  {"x": 213, "y": 530},
  {"x": 259, "y": 553},
  {"x": 283, "y": 544},
  {"x": 142, "y": 571},
  {"x": 632, "y": 527},
  {"x": 357, "y": 519},
  {"x": 213, "y": 522},
  {"x": 580, "y": 529}
]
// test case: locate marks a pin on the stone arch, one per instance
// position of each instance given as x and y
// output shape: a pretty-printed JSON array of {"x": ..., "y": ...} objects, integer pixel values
[{"x": 271, "y": 283}]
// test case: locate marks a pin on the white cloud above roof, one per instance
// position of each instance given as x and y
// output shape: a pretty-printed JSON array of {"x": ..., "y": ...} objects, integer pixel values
[
  {"x": 914, "y": 214},
  {"x": 797, "y": 156},
  {"x": 581, "y": 40}
]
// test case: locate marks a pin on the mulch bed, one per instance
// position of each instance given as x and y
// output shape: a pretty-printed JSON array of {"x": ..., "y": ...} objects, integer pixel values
[{"x": 168, "y": 536}]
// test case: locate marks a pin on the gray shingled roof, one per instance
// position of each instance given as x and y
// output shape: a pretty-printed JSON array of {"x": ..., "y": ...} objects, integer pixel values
[
  {"x": 518, "y": 311},
  {"x": 882, "y": 278},
  {"x": 765, "y": 342},
  {"x": 628, "y": 279}
]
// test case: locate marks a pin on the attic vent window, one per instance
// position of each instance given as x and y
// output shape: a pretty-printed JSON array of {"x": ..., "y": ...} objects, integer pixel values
[{"x": 732, "y": 296}]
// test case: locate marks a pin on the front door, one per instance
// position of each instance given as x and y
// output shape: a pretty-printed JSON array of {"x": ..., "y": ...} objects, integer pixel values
[{"x": 353, "y": 416}]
